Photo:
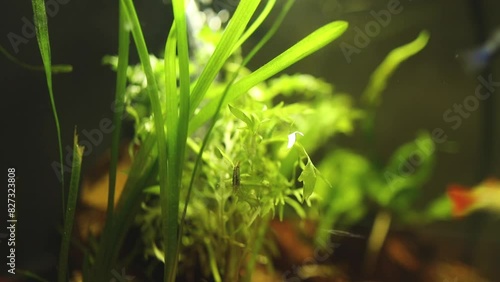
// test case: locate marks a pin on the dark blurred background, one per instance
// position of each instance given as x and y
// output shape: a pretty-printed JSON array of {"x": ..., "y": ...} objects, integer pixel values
[{"x": 422, "y": 89}]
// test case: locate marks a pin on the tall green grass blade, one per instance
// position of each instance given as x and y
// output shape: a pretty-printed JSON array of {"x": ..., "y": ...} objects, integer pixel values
[
  {"x": 299, "y": 51},
  {"x": 263, "y": 15},
  {"x": 141, "y": 169},
  {"x": 70, "y": 212},
  {"x": 371, "y": 96},
  {"x": 176, "y": 138},
  {"x": 233, "y": 32},
  {"x": 153, "y": 92},
  {"x": 119, "y": 107},
  {"x": 170, "y": 197},
  {"x": 380, "y": 77},
  {"x": 54, "y": 68},
  {"x": 42, "y": 36}
]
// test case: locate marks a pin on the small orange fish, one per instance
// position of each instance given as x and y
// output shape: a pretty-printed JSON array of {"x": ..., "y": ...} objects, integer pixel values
[{"x": 484, "y": 196}]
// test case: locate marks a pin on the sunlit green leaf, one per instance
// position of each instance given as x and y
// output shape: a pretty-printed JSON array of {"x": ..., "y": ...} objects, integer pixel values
[
  {"x": 310, "y": 44},
  {"x": 380, "y": 77},
  {"x": 308, "y": 178},
  {"x": 242, "y": 116}
]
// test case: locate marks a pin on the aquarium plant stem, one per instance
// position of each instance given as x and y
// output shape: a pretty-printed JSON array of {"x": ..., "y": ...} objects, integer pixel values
[
  {"x": 177, "y": 126},
  {"x": 121, "y": 84},
  {"x": 376, "y": 241},
  {"x": 70, "y": 213},
  {"x": 169, "y": 184}
]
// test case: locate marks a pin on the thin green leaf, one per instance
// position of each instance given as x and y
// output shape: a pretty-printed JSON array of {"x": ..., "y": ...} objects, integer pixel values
[
  {"x": 297, "y": 207},
  {"x": 42, "y": 36},
  {"x": 121, "y": 84},
  {"x": 153, "y": 190},
  {"x": 380, "y": 77},
  {"x": 258, "y": 22},
  {"x": 54, "y": 68},
  {"x": 153, "y": 93},
  {"x": 114, "y": 231},
  {"x": 232, "y": 34},
  {"x": 175, "y": 143},
  {"x": 310, "y": 44},
  {"x": 308, "y": 177},
  {"x": 176, "y": 161},
  {"x": 70, "y": 212},
  {"x": 242, "y": 116}
]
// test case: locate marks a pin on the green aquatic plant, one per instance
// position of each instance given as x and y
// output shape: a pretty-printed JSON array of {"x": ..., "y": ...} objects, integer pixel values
[
  {"x": 179, "y": 110},
  {"x": 241, "y": 186},
  {"x": 242, "y": 182},
  {"x": 360, "y": 184}
]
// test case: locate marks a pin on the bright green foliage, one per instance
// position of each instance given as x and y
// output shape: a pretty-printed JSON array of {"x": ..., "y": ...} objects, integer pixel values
[{"x": 253, "y": 133}]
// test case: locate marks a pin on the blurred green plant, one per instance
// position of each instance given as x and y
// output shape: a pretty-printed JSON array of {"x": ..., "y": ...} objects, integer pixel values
[{"x": 360, "y": 185}]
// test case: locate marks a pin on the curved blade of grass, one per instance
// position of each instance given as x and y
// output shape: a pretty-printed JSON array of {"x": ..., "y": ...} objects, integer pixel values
[
  {"x": 113, "y": 233},
  {"x": 184, "y": 83},
  {"x": 371, "y": 96},
  {"x": 263, "y": 15},
  {"x": 42, "y": 36},
  {"x": 54, "y": 68},
  {"x": 178, "y": 118},
  {"x": 310, "y": 44},
  {"x": 70, "y": 212},
  {"x": 380, "y": 77},
  {"x": 121, "y": 84},
  {"x": 153, "y": 93},
  {"x": 233, "y": 32}
]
